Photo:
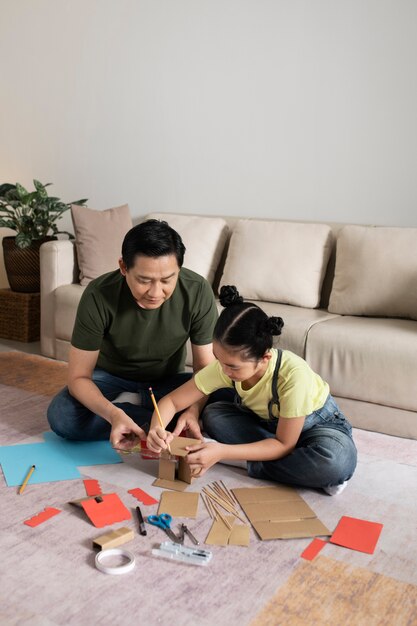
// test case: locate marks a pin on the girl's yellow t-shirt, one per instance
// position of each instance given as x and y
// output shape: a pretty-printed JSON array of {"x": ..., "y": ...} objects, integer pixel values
[{"x": 300, "y": 390}]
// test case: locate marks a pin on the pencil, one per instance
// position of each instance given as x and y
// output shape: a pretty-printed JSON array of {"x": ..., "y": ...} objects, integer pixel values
[
  {"x": 161, "y": 423},
  {"x": 25, "y": 482}
]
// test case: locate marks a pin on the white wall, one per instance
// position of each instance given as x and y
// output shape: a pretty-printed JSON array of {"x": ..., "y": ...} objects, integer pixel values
[{"x": 301, "y": 109}]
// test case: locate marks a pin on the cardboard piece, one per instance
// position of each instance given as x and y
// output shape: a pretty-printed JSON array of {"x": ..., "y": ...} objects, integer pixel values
[
  {"x": 313, "y": 549},
  {"x": 219, "y": 533},
  {"x": 92, "y": 487},
  {"x": 240, "y": 535},
  {"x": 173, "y": 471},
  {"x": 113, "y": 538},
  {"x": 357, "y": 534},
  {"x": 142, "y": 496},
  {"x": 42, "y": 517},
  {"x": 109, "y": 510},
  {"x": 179, "y": 504},
  {"x": 279, "y": 512}
]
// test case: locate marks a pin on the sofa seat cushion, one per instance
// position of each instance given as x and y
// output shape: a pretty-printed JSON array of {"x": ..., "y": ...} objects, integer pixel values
[
  {"x": 297, "y": 323},
  {"x": 67, "y": 298},
  {"x": 278, "y": 261},
  {"x": 368, "y": 359},
  {"x": 204, "y": 239}
]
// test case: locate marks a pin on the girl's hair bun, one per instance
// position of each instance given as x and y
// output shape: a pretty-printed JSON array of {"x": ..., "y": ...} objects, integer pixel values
[
  {"x": 229, "y": 295},
  {"x": 272, "y": 325}
]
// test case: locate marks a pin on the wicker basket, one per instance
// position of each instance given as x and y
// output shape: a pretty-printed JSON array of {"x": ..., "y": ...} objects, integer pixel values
[
  {"x": 22, "y": 264},
  {"x": 19, "y": 315}
]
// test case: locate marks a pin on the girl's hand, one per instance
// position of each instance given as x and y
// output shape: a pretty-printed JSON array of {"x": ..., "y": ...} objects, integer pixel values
[
  {"x": 202, "y": 456},
  {"x": 125, "y": 433},
  {"x": 158, "y": 439},
  {"x": 188, "y": 421}
]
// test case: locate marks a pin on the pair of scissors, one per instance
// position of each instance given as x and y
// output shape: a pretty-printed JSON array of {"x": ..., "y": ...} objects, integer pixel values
[{"x": 164, "y": 521}]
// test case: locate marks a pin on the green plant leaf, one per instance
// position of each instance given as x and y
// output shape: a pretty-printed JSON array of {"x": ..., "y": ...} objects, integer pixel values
[
  {"x": 40, "y": 188},
  {"x": 23, "y": 240},
  {"x": 21, "y": 191}
]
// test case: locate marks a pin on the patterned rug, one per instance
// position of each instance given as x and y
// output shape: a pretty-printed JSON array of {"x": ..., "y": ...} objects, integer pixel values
[{"x": 48, "y": 577}]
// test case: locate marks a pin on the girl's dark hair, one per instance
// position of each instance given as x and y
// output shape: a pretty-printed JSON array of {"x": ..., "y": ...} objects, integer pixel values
[
  {"x": 152, "y": 238},
  {"x": 243, "y": 326}
]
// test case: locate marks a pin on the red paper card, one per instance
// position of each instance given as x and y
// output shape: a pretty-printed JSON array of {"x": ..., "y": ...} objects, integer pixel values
[
  {"x": 313, "y": 549},
  {"x": 142, "y": 496},
  {"x": 109, "y": 511},
  {"x": 357, "y": 534},
  {"x": 92, "y": 487},
  {"x": 46, "y": 514}
]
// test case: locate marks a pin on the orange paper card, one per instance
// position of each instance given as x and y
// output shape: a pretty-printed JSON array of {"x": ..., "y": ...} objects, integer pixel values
[
  {"x": 92, "y": 487},
  {"x": 357, "y": 534},
  {"x": 46, "y": 514},
  {"x": 109, "y": 511},
  {"x": 313, "y": 549},
  {"x": 142, "y": 496}
]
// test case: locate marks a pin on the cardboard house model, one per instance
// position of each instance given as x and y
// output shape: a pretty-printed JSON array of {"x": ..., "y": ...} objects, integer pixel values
[{"x": 173, "y": 471}]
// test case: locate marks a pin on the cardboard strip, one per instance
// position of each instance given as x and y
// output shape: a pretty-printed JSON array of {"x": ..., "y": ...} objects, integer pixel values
[
  {"x": 42, "y": 517},
  {"x": 92, "y": 487},
  {"x": 142, "y": 496},
  {"x": 114, "y": 538}
]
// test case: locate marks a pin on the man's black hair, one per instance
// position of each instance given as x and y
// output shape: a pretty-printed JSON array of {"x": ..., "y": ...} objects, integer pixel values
[{"x": 152, "y": 238}]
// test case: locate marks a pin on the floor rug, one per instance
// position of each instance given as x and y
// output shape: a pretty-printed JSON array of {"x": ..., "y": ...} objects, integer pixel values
[
  {"x": 48, "y": 576},
  {"x": 332, "y": 593},
  {"x": 32, "y": 372}
]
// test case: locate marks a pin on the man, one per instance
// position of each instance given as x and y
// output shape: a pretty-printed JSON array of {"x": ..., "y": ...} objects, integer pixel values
[{"x": 130, "y": 332}]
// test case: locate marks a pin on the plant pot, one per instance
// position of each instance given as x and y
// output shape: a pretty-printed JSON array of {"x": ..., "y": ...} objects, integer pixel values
[{"x": 22, "y": 265}]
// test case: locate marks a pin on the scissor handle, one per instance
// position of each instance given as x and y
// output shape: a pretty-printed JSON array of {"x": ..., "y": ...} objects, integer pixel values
[{"x": 163, "y": 520}]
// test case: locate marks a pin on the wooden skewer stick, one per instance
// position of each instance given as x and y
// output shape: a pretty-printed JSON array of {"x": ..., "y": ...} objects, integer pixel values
[
  {"x": 207, "y": 505},
  {"x": 223, "y": 519},
  {"x": 225, "y": 505},
  {"x": 161, "y": 423},
  {"x": 231, "y": 494},
  {"x": 224, "y": 494}
]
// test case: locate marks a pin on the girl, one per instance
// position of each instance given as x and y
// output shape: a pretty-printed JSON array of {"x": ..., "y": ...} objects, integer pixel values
[{"x": 283, "y": 422}]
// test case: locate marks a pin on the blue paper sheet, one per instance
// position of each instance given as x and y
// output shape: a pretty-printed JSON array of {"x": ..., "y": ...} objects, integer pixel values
[
  {"x": 84, "y": 452},
  {"x": 50, "y": 463},
  {"x": 55, "y": 459}
]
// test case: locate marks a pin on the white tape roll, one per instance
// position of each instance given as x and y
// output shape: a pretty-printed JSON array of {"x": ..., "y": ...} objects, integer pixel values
[{"x": 119, "y": 569}]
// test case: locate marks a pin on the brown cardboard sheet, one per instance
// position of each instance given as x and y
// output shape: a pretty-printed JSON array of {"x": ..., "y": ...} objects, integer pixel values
[
  {"x": 239, "y": 535},
  {"x": 179, "y": 504},
  {"x": 114, "y": 538},
  {"x": 279, "y": 512},
  {"x": 178, "y": 445},
  {"x": 219, "y": 533},
  {"x": 176, "y": 485}
]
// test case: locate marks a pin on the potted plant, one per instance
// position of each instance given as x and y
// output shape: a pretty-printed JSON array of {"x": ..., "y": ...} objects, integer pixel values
[{"x": 33, "y": 215}]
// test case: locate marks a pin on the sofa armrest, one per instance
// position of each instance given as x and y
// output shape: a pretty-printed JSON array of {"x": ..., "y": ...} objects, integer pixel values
[{"x": 58, "y": 266}]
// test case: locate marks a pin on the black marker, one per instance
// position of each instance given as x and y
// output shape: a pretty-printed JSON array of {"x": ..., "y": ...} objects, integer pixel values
[{"x": 142, "y": 528}]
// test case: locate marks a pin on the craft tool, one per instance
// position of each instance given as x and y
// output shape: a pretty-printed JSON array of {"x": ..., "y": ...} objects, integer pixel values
[
  {"x": 161, "y": 423},
  {"x": 142, "y": 528},
  {"x": 25, "y": 482},
  {"x": 186, "y": 530},
  {"x": 177, "y": 552},
  {"x": 101, "y": 558},
  {"x": 164, "y": 521}
]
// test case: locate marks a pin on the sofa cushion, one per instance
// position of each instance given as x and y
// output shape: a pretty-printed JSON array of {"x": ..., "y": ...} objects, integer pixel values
[
  {"x": 98, "y": 238},
  {"x": 376, "y": 272},
  {"x": 278, "y": 261},
  {"x": 368, "y": 359},
  {"x": 204, "y": 239}
]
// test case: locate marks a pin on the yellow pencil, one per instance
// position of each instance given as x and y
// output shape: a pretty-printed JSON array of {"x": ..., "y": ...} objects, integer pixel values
[
  {"x": 25, "y": 482},
  {"x": 161, "y": 423}
]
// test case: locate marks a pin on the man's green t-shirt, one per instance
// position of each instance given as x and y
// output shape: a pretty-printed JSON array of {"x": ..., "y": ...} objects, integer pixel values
[{"x": 140, "y": 344}]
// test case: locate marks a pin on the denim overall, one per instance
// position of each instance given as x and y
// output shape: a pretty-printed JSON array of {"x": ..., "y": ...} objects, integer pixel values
[{"x": 325, "y": 454}]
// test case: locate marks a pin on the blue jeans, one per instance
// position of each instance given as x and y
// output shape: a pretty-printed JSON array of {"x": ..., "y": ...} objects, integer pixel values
[
  {"x": 325, "y": 453},
  {"x": 70, "y": 419}
]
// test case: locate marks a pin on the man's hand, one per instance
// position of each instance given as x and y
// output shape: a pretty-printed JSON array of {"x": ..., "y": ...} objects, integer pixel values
[
  {"x": 202, "y": 456},
  {"x": 125, "y": 433},
  {"x": 188, "y": 420}
]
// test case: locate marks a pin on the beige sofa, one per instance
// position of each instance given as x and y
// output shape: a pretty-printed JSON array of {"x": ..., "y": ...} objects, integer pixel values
[{"x": 347, "y": 294}]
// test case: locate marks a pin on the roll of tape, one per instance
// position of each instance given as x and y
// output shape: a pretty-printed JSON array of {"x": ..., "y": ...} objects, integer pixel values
[{"x": 118, "y": 569}]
